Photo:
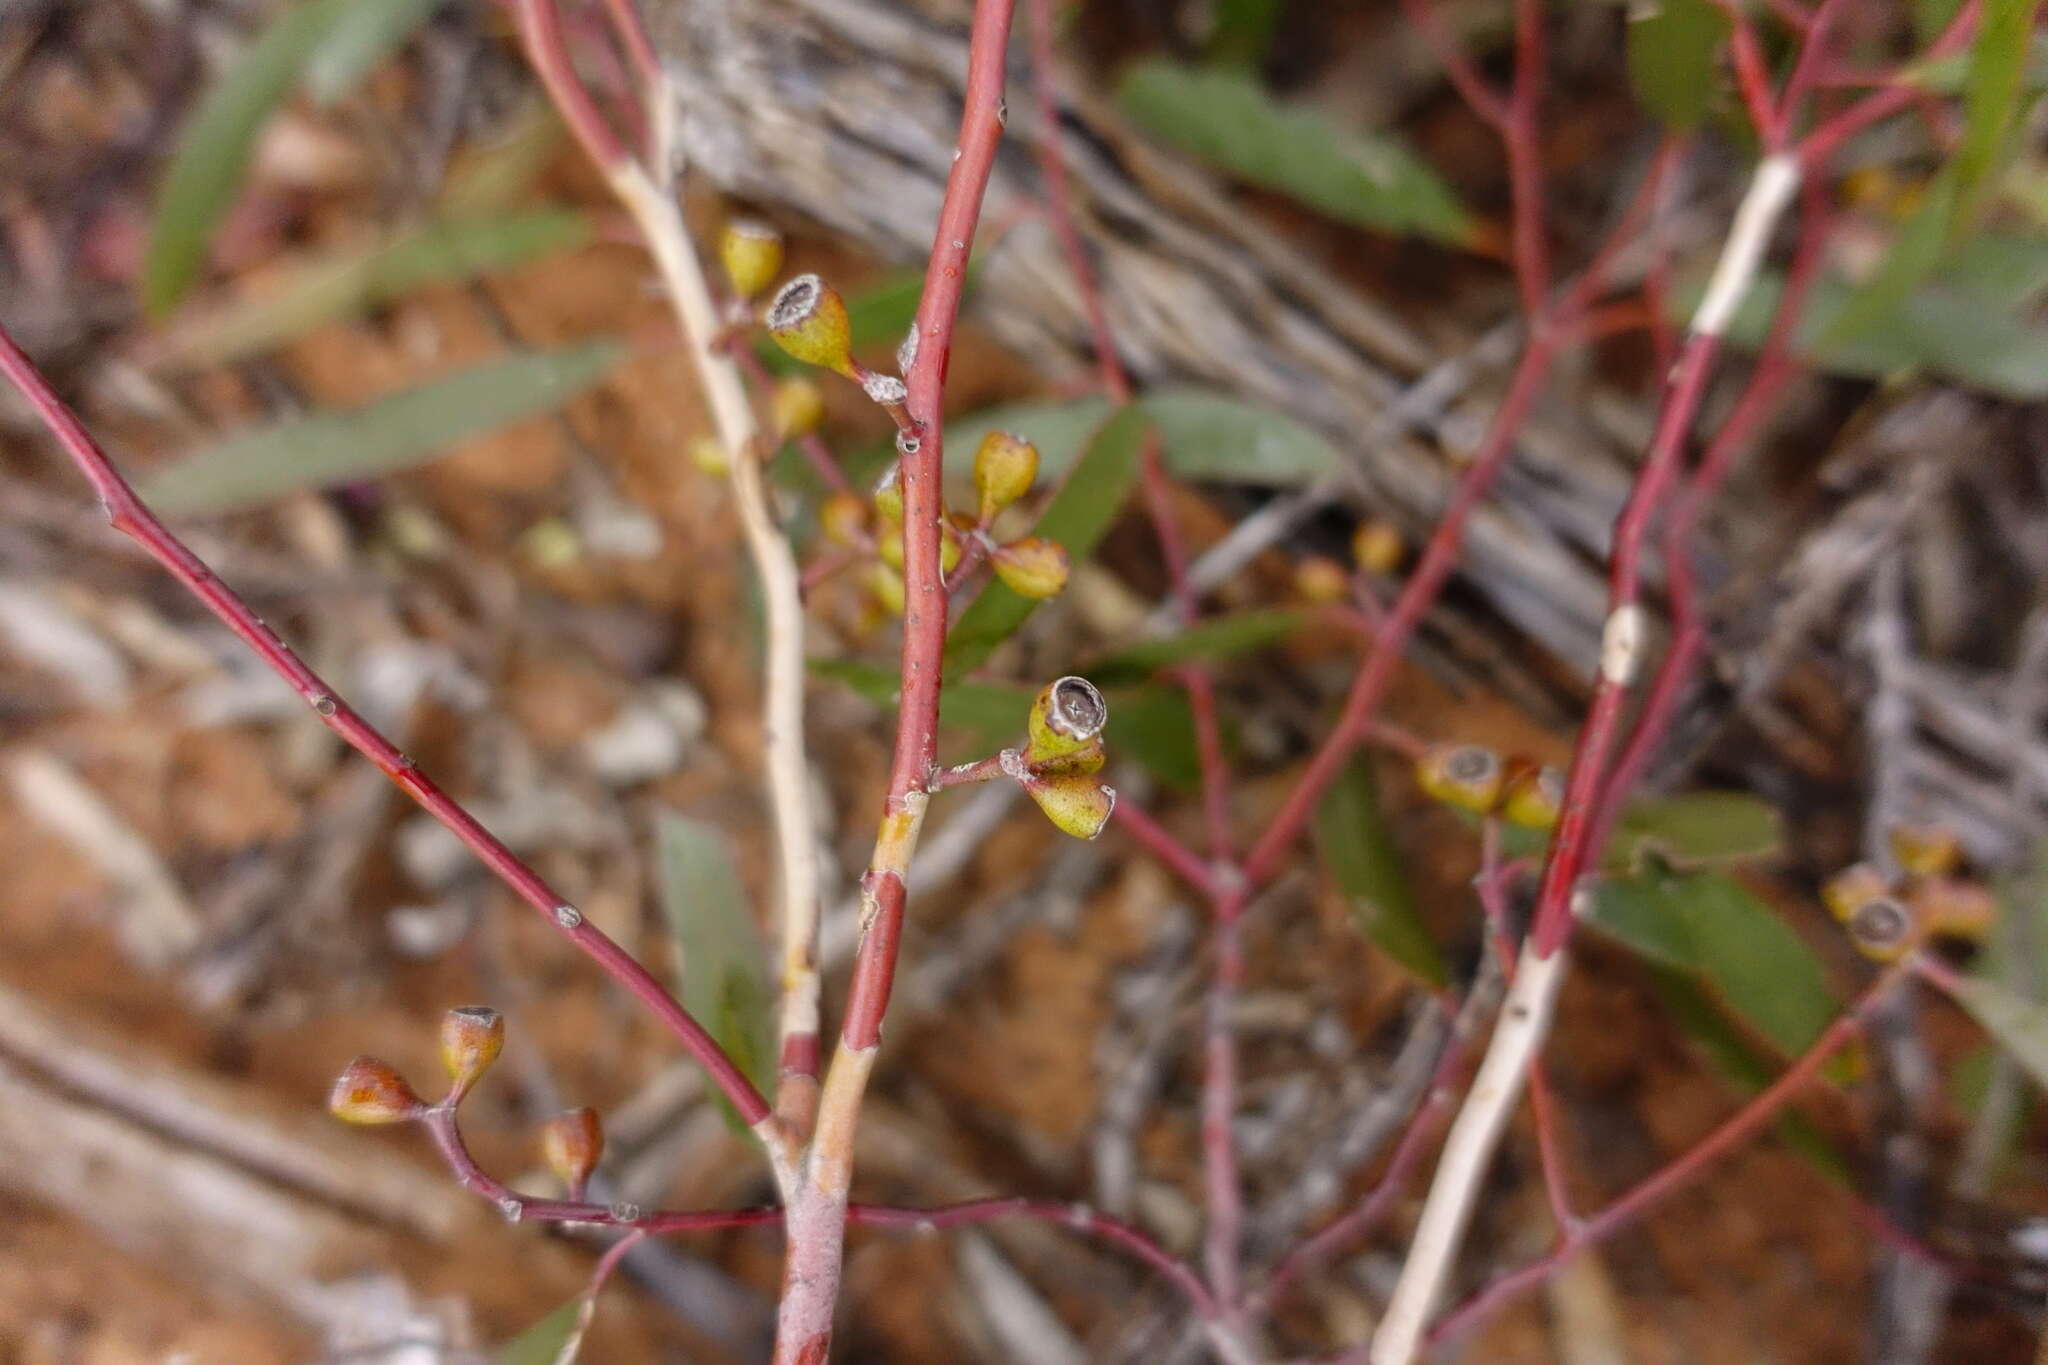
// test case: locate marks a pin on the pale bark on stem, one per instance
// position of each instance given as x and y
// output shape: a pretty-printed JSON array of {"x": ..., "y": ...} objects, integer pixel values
[
  {"x": 818, "y": 1204},
  {"x": 1468, "y": 1151},
  {"x": 127, "y": 514},
  {"x": 1681, "y": 1171}
]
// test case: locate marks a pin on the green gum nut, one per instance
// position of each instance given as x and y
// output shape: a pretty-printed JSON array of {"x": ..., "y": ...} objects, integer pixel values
[
  {"x": 1064, "y": 731},
  {"x": 808, "y": 320},
  {"x": 1075, "y": 802}
]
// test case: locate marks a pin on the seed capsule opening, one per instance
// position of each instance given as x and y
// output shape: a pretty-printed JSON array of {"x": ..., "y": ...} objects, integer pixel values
[
  {"x": 795, "y": 302},
  {"x": 1881, "y": 925},
  {"x": 1077, "y": 709}
]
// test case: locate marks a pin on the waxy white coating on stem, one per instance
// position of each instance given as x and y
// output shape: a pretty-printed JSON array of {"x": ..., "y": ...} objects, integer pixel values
[{"x": 1769, "y": 192}]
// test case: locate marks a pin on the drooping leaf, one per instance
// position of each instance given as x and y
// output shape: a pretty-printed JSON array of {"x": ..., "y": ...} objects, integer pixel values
[
  {"x": 1356, "y": 846},
  {"x": 1991, "y": 96},
  {"x": 357, "y": 42},
  {"x": 213, "y": 151},
  {"x": 2004, "y": 272},
  {"x": 1077, "y": 517},
  {"x": 555, "y": 1339},
  {"x": 391, "y": 434},
  {"x": 1224, "y": 117},
  {"x": 1735, "y": 1057},
  {"x": 1707, "y": 924},
  {"x": 722, "y": 960},
  {"x": 1214, "y": 436},
  {"x": 342, "y": 284},
  {"x": 2017, "y": 1024},
  {"x": 1674, "y": 52},
  {"x": 1223, "y": 637},
  {"x": 1696, "y": 828}
]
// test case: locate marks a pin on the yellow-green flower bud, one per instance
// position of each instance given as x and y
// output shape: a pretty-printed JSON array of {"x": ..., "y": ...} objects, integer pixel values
[
  {"x": 808, "y": 320},
  {"x": 709, "y": 454},
  {"x": 1533, "y": 797},
  {"x": 1376, "y": 547},
  {"x": 843, "y": 519},
  {"x": 370, "y": 1091},
  {"x": 751, "y": 252},
  {"x": 1953, "y": 907},
  {"x": 1321, "y": 580},
  {"x": 797, "y": 408},
  {"x": 1075, "y": 802},
  {"x": 1468, "y": 776},
  {"x": 571, "y": 1144},
  {"x": 1032, "y": 567},
  {"x": 889, "y": 497},
  {"x": 1848, "y": 889},
  {"x": 1925, "y": 850},
  {"x": 886, "y": 584},
  {"x": 1005, "y": 467},
  {"x": 471, "y": 1039}
]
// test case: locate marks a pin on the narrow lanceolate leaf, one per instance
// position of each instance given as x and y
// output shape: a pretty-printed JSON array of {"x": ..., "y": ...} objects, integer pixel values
[
  {"x": 1227, "y": 119},
  {"x": 1225, "y": 637},
  {"x": 1223, "y": 439},
  {"x": 391, "y": 434},
  {"x": 1077, "y": 517},
  {"x": 555, "y": 1339},
  {"x": 346, "y": 283},
  {"x": 1735, "y": 1057},
  {"x": 1991, "y": 97},
  {"x": 1674, "y": 51},
  {"x": 1695, "y": 829},
  {"x": 1708, "y": 925},
  {"x": 723, "y": 962},
  {"x": 213, "y": 152},
  {"x": 1359, "y": 851},
  {"x": 369, "y": 32},
  {"x": 2014, "y": 1022}
]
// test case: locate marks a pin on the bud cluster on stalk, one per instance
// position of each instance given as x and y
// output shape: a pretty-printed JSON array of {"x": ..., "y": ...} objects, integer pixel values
[
  {"x": 1005, "y": 468},
  {"x": 1887, "y": 917},
  {"x": 370, "y": 1091},
  {"x": 1472, "y": 777},
  {"x": 1376, "y": 551}
]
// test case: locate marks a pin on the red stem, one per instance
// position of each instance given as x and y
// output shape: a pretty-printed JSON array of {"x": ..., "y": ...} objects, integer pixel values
[
  {"x": 921, "y": 477},
  {"x": 1680, "y": 1172},
  {"x": 127, "y": 514}
]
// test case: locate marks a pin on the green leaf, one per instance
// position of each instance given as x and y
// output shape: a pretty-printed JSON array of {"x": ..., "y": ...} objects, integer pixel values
[
  {"x": 721, "y": 958},
  {"x": 2015, "y": 1023},
  {"x": 1227, "y": 119},
  {"x": 358, "y": 41},
  {"x": 213, "y": 152},
  {"x": 1077, "y": 517},
  {"x": 1203, "y": 435},
  {"x": 1735, "y": 1057},
  {"x": 1210, "y": 435},
  {"x": 555, "y": 1339},
  {"x": 1674, "y": 51},
  {"x": 2001, "y": 272},
  {"x": 1359, "y": 850},
  {"x": 1991, "y": 97},
  {"x": 1151, "y": 725},
  {"x": 1696, "y": 828},
  {"x": 1707, "y": 924},
  {"x": 1222, "y": 637},
  {"x": 1913, "y": 256},
  {"x": 347, "y": 283},
  {"x": 391, "y": 434},
  {"x": 492, "y": 175}
]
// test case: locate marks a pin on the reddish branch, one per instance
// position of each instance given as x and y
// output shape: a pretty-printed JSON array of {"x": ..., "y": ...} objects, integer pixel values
[{"x": 127, "y": 514}]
